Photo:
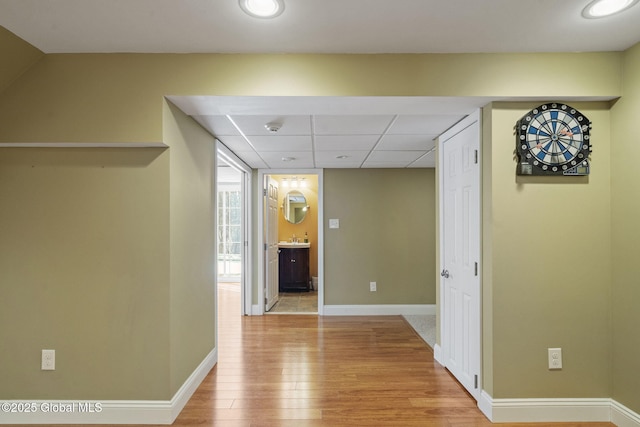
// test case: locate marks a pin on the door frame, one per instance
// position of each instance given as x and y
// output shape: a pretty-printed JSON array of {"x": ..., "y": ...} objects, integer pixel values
[
  {"x": 438, "y": 351},
  {"x": 258, "y": 309},
  {"x": 247, "y": 237}
]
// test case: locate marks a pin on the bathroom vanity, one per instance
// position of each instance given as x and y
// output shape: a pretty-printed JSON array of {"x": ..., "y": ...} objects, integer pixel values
[{"x": 294, "y": 267}]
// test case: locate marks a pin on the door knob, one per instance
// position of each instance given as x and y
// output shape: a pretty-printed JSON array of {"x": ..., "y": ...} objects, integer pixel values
[{"x": 445, "y": 274}]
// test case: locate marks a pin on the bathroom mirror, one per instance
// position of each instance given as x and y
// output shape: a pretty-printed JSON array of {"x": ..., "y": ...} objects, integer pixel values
[{"x": 294, "y": 207}]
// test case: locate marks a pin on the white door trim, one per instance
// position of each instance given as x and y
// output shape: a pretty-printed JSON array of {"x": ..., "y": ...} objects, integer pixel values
[
  {"x": 247, "y": 236},
  {"x": 258, "y": 309}
]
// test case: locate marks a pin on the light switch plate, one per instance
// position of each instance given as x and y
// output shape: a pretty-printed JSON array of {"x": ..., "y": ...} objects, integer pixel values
[{"x": 334, "y": 223}]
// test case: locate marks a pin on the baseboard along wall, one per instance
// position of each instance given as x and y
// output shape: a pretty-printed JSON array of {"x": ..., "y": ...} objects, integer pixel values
[
  {"x": 109, "y": 411},
  {"x": 380, "y": 310},
  {"x": 557, "y": 410},
  {"x": 370, "y": 310}
]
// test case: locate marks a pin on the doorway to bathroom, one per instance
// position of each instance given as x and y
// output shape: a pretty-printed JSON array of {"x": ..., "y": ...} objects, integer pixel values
[{"x": 291, "y": 230}]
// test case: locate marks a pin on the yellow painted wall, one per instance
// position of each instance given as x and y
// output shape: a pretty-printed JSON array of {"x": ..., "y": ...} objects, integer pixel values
[
  {"x": 101, "y": 264},
  {"x": 548, "y": 267},
  {"x": 192, "y": 248},
  {"x": 310, "y": 223},
  {"x": 118, "y": 97},
  {"x": 386, "y": 235},
  {"x": 84, "y": 270},
  {"x": 15, "y": 58},
  {"x": 625, "y": 197}
]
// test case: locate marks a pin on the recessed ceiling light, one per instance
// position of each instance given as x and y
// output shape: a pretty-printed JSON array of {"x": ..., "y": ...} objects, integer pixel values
[
  {"x": 262, "y": 8},
  {"x": 288, "y": 159},
  {"x": 602, "y": 8}
]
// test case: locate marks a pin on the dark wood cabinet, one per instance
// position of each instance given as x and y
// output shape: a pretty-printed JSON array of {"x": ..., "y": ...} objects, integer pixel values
[{"x": 294, "y": 269}]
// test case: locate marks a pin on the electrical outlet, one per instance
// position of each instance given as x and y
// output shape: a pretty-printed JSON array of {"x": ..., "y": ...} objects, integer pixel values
[
  {"x": 48, "y": 360},
  {"x": 373, "y": 286},
  {"x": 555, "y": 358}
]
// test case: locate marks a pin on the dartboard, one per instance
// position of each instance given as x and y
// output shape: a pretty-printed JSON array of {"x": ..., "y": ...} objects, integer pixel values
[{"x": 553, "y": 139}]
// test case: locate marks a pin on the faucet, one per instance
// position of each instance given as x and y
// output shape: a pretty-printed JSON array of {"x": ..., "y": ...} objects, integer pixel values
[{"x": 294, "y": 239}]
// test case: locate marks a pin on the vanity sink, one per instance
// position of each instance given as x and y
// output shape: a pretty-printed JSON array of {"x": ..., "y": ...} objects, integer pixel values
[{"x": 293, "y": 245}]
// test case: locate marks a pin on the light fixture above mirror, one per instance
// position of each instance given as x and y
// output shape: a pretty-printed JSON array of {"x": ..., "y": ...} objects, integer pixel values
[
  {"x": 262, "y": 8},
  {"x": 294, "y": 182}
]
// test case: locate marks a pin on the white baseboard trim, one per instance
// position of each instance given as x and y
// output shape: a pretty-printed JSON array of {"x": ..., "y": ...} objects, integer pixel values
[
  {"x": 437, "y": 354},
  {"x": 110, "y": 411},
  {"x": 379, "y": 310},
  {"x": 255, "y": 310},
  {"x": 485, "y": 403},
  {"x": 557, "y": 410},
  {"x": 623, "y": 416},
  {"x": 192, "y": 383}
]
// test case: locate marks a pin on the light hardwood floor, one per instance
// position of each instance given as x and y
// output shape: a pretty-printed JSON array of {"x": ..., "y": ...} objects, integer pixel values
[
  {"x": 301, "y": 370},
  {"x": 304, "y": 370}
]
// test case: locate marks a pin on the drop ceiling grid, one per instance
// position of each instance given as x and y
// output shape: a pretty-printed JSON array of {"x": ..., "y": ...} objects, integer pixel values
[{"x": 321, "y": 140}]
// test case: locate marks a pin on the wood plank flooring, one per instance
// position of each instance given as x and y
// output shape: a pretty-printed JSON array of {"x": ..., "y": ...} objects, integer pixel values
[
  {"x": 309, "y": 371},
  {"x": 302, "y": 370}
]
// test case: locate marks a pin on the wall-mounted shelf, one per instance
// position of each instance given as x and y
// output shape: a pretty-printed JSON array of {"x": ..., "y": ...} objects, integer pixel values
[{"x": 83, "y": 145}]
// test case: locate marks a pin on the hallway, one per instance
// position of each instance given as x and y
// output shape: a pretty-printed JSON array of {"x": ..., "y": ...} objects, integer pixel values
[
  {"x": 301, "y": 370},
  {"x": 310, "y": 371}
]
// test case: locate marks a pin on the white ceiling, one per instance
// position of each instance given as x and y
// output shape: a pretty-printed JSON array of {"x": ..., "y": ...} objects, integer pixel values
[
  {"x": 371, "y": 132},
  {"x": 317, "y": 26}
]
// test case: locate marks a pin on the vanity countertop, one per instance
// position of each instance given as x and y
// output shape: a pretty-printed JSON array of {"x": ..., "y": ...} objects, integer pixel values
[{"x": 293, "y": 245}]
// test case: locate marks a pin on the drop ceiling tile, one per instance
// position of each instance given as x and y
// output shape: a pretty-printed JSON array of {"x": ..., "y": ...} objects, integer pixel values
[
  {"x": 332, "y": 156},
  {"x": 301, "y": 159},
  {"x": 345, "y": 142},
  {"x": 236, "y": 143},
  {"x": 423, "y": 124},
  {"x": 382, "y": 165},
  {"x": 406, "y": 142},
  {"x": 338, "y": 165},
  {"x": 395, "y": 156},
  {"x": 252, "y": 159},
  {"x": 281, "y": 143},
  {"x": 351, "y": 124},
  {"x": 289, "y": 125},
  {"x": 217, "y": 125}
]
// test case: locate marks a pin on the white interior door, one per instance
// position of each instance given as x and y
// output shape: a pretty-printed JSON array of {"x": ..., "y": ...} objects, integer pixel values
[
  {"x": 271, "y": 220},
  {"x": 460, "y": 251}
]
